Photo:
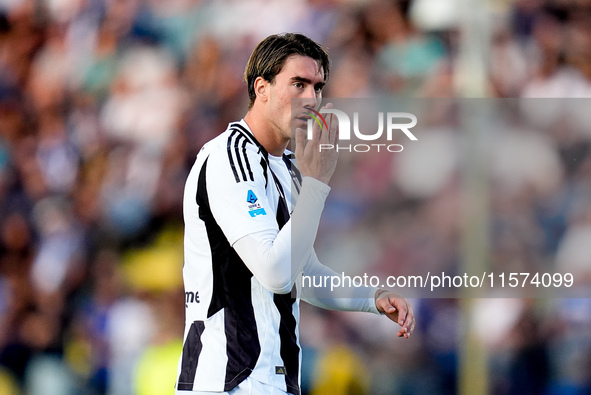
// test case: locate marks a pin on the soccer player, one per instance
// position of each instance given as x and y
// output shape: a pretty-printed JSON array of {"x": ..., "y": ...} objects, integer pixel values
[{"x": 243, "y": 257}]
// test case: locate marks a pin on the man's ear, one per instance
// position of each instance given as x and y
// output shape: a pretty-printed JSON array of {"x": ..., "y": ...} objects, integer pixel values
[{"x": 261, "y": 89}]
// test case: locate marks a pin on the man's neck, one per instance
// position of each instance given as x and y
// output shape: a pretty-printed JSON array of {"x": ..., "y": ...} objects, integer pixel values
[{"x": 266, "y": 134}]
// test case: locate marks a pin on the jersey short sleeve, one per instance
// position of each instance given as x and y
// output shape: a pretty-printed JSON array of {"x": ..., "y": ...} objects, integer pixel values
[{"x": 239, "y": 195}]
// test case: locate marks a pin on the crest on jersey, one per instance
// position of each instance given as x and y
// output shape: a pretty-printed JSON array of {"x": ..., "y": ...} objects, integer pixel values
[
  {"x": 254, "y": 208},
  {"x": 251, "y": 197}
]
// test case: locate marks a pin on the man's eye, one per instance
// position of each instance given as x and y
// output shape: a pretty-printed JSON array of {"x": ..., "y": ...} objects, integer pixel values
[{"x": 298, "y": 85}]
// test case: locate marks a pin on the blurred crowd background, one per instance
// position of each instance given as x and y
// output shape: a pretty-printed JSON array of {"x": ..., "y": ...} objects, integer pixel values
[{"x": 105, "y": 103}]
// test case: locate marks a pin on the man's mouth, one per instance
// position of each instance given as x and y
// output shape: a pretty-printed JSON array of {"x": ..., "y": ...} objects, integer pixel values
[{"x": 304, "y": 115}]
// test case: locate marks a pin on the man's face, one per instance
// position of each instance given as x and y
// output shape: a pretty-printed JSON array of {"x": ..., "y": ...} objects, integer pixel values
[{"x": 301, "y": 78}]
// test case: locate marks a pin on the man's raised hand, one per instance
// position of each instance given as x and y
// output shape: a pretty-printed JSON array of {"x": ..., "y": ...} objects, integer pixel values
[{"x": 312, "y": 160}]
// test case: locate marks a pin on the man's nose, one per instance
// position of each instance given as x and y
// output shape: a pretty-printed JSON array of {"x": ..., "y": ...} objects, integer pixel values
[{"x": 311, "y": 97}]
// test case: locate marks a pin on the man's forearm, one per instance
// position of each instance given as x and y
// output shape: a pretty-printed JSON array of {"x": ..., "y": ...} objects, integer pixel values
[{"x": 276, "y": 258}]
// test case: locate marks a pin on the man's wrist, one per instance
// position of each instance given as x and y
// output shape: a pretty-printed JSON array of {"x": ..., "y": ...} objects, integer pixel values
[
  {"x": 379, "y": 294},
  {"x": 316, "y": 184}
]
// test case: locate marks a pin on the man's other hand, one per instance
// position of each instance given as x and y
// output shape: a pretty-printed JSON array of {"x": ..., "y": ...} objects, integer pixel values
[{"x": 397, "y": 309}]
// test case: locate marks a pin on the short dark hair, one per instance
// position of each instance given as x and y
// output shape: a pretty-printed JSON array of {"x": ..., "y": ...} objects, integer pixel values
[{"x": 269, "y": 56}]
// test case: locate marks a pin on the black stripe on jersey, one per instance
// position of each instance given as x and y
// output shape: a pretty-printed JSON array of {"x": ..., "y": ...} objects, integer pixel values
[
  {"x": 236, "y": 149},
  {"x": 262, "y": 150},
  {"x": 246, "y": 160},
  {"x": 247, "y": 133},
  {"x": 282, "y": 211},
  {"x": 295, "y": 174},
  {"x": 289, "y": 349},
  {"x": 229, "y": 147},
  {"x": 191, "y": 351},
  {"x": 264, "y": 166},
  {"x": 232, "y": 293},
  {"x": 241, "y": 155}
]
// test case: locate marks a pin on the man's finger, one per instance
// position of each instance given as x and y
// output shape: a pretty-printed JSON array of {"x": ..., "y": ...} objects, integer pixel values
[
  {"x": 402, "y": 309},
  {"x": 333, "y": 128},
  {"x": 317, "y": 131},
  {"x": 409, "y": 322},
  {"x": 389, "y": 309},
  {"x": 299, "y": 138},
  {"x": 326, "y": 134},
  {"x": 335, "y": 131}
]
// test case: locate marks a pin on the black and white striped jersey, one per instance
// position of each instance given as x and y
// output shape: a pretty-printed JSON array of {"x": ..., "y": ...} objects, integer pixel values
[{"x": 235, "y": 328}]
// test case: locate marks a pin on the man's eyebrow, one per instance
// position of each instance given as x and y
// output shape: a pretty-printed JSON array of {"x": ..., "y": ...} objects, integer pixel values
[{"x": 308, "y": 81}]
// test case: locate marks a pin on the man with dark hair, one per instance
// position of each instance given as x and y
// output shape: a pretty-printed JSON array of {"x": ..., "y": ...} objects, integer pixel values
[
  {"x": 243, "y": 257},
  {"x": 268, "y": 58}
]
